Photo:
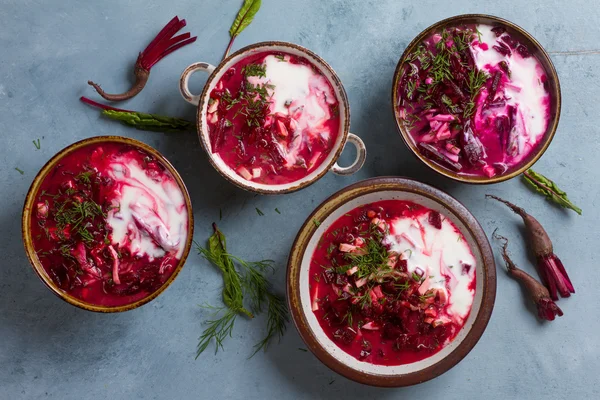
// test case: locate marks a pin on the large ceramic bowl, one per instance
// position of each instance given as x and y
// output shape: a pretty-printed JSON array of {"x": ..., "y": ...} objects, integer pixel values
[
  {"x": 329, "y": 164},
  {"x": 29, "y": 208},
  {"x": 535, "y": 48},
  {"x": 342, "y": 202}
]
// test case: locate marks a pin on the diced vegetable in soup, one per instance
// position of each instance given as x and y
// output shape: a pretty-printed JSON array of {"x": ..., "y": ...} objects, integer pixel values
[
  {"x": 392, "y": 282},
  {"x": 475, "y": 100},
  {"x": 273, "y": 118},
  {"x": 110, "y": 224}
]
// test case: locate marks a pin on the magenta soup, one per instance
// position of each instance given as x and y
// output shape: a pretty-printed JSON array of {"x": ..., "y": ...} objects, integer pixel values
[
  {"x": 273, "y": 118},
  {"x": 110, "y": 224},
  {"x": 474, "y": 100},
  {"x": 392, "y": 282}
]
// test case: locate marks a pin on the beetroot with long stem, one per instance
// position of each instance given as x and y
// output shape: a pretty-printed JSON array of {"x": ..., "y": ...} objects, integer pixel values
[
  {"x": 551, "y": 269},
  {"x": 546, "y": 307},
  {"x": 163, "y": 44}
]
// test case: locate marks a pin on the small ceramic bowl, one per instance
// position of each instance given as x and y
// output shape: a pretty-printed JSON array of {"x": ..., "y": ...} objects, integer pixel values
[
  {"x": 365, "y": 192},
  {"x": 536, "y": 50},
  {"x": 29, "y": 208},
  {"x": 330, "y": 163}
]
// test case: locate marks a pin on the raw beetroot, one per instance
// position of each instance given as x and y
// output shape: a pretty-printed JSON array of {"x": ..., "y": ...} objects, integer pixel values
[
  {"x": 551, "y": 269},
  {"x": 162, "y": 45},
  {"x": 546, "y": 307}
]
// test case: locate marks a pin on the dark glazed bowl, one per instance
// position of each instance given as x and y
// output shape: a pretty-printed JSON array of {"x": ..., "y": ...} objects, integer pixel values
[
  {"x": 29, "y": 206},
  {"x": 298, "y": 295},
  {"x": 535, "y": 49}
]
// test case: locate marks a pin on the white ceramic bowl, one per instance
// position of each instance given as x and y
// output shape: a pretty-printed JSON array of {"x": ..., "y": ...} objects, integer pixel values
[{"x": 365, "y": 192}]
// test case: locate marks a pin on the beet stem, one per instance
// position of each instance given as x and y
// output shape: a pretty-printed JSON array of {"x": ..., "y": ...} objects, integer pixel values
[
  {"x": 100, "y": 105},
  {"x": 228, "y": 47}
]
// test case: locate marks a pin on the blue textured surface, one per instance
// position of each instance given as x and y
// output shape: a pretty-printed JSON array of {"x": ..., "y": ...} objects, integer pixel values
[{"x": 49, "y": 349}]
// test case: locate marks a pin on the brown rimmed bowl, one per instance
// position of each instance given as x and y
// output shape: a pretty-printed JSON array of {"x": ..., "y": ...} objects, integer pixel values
[
  {"x": 329, "y": 164},
  {"x": 29, "y": 208},
  {"x": 536, "y": 50},
  {"x": 365, "y": 192}
]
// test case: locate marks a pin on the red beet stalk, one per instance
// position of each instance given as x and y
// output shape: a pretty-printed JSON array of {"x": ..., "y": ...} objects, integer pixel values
[
  {"x": 163, "y": 44},
  {"x": 546, "y": 307},
  {"x": 100, "y": 105},
  {"x": 551, "y": 269}
]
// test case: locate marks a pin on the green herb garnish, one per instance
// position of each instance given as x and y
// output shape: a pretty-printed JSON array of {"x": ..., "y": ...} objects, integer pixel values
[
  {"x": 548, "y": 188},
  {"x": 37, "y": 144},
  {"x": 19, "y": 170},
  {"x": 247, "y": 280},
  {"x": 259, "y": 212}
]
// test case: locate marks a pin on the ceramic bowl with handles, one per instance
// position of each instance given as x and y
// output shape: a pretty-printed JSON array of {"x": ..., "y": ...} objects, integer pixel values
[{"x": 329, "y": 163}]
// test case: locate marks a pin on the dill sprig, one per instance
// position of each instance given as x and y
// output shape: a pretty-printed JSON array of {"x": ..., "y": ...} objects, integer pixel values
[
  {"x": 259, "y": 70},
  {"x": 247, "y": 280},
  {"x": 477, "y": 79}
]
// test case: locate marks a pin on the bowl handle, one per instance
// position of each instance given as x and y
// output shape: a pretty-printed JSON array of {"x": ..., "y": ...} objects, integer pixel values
[
  {"x": 361, "y": 156},
  {"x": 185, "y": 78}
]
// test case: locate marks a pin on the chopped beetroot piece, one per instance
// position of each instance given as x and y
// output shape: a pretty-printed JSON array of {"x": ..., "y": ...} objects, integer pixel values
[
  {"x": 502, "y": 49},
  {"x": 345, "y": 335},
  {"x": 435, "y": 219},
  {"x": 458, "y": 91},
  {"x": 494, "y": 86},
  {"x": 504, "y": 67},
  {"x": 438, "y": 156},
  {"x": 472, "y": 146},
  {"x": 512, "y": 145},
  {"x": 512, "y": 43},
  {"x": 523, "y": 51},
  {"x": 502, "y": 127},
  {"x": 499, "y": 30}
]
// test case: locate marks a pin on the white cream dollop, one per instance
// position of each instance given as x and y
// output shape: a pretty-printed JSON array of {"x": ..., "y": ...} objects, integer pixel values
[
  {"x": 150, "y": 217},
  {"x": 441, "y": 255},
  {"x": 526, "y": 90},
  {"x": 304, "y": 95}
]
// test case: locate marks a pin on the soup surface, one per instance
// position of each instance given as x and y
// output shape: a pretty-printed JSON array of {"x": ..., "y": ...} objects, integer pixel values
[
  {"x": 273, "y": 118},
  {"x": 392, "y": 282}
]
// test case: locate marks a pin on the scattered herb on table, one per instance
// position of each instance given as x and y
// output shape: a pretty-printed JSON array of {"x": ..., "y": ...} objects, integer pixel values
[
  {"x": 242, "y": 20},
  {"x": 241, "y": 279},
  {"x": 551, "y": 269},
  {"x": 277, "y": 211},
  {"x": 220, "y": 214},
  {"x": 548, "y": 188},
  {"x": 143, "y": 121},
  {"x": 37, "y": 144},
  {"x": 546, "y": 307},
  {"x": 301, "y": 349},
  {"x": 259, "y": 212},
  {"x": 161, "y": 46},
  {"x": 19, "y": 170}
]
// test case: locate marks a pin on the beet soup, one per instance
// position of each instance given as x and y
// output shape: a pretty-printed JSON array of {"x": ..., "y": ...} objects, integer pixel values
[
  {"x": 273, "y": 118},
  {"x": 110, "y": 224},
  {"x": 392, "y": 282},
  {"x": 474, "y": 100}
]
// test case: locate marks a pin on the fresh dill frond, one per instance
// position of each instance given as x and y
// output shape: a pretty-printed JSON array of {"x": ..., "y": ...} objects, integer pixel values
[
  {"x": 218, "y": 329},
  {"x": 259, "y": 70},
  {"x": 242, "y": 279},
  {"x": 277, "y": 319}
]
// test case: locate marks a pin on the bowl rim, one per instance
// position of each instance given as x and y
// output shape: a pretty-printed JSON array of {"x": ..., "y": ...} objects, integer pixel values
[
  {"x": 28, "y": 207},
  {"x": 551, "y": 70},
  {"x": 335, "y": 81},
  {"x": 359, "y": 189}
]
